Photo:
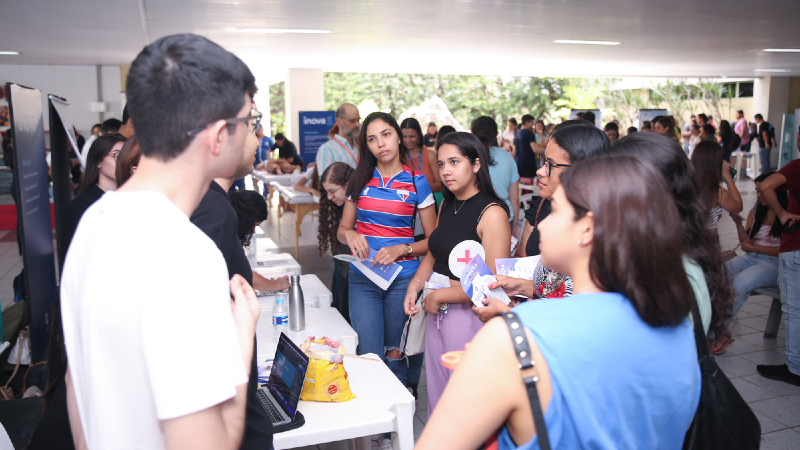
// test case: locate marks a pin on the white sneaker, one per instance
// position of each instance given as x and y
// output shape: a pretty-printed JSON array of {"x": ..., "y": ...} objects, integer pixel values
[{"x": 386, "y": 444}]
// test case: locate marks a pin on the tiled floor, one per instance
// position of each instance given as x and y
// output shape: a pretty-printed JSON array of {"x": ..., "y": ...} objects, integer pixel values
[{"x": 776, "y": 404}]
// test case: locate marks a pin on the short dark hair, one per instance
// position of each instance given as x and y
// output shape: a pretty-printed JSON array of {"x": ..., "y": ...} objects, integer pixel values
[
  {"x": 279, "y": 137},
  {"x": 527, "y": 118},
  {"x": 512, "y": 120},
  {"x": 702, "y": 117},
  {"x": 589, "y": 116},
  {"x": 759, "y": 116},
  {"x": 431, "y": 124},
  {"x": 646, "y": 125},
  {"x": 110, "y": 126},
  {"x": 97, "y": 125},
  {"x": 622, "y": 251},
  {"x": 692, "y": 116},
  {"x": 100, "y": 148},
  {"x": 740, "y": 112},
  {"x": 485, "y": 129},
  {"x": 611, "y": 126},
  {"x": 125, "y": 116},
  {"x": 182, "y": 83},
  {"x": 632, "y": 130},
  {"x": 709, "y": 130},
  {"x": 580, "y": 139}
]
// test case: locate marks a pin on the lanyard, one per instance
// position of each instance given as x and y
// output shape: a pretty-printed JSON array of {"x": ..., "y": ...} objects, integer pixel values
[
  {"x": 347, "y": 150},
  {"x": 419, "y": 163}
]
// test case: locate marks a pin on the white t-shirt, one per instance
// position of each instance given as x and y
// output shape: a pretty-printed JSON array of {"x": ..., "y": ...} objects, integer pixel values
[
  {"x": 507, "y": 136},
  {"x": 147, "y": 320}
]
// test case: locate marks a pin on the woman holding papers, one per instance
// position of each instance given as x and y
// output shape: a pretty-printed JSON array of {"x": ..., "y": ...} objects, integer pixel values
[
  {"x": 616, "y": 364},
  {"x": 377, "y": 224},
  {"x": 472, "y": 220}
]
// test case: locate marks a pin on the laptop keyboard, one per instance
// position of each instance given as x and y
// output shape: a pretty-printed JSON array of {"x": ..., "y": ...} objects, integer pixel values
[{"x": 273, "y": 413}]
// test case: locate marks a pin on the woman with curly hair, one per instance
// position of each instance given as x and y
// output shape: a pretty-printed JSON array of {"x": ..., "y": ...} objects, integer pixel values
[
  {"x": 331, "y": 205},
  {"x": 251, "y": 210},
  {"x": 702, "y": 259}
]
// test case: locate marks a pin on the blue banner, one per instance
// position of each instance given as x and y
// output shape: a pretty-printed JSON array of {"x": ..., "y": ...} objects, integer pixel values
[{"x": 314, "y": 127}]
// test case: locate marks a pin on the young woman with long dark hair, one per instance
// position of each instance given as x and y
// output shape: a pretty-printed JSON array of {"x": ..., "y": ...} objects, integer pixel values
[
  {"x": 616, "y": 363},
  {"x": 331, "y": 206},
  {"x": 100, "y": 176},
  {"x": 702, "y": 257},
  {"x": 472, "y": 215},
  {"x": 420, "y": 159},
  {"x": 758, "y": 267},
  {"x": 710, "y": 169},
  {"x": 382, "y": 198},
  {"x": 502, "y": 168}
]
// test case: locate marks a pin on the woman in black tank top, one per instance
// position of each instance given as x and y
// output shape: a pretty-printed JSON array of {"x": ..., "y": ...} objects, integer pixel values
[{"x": 471, "y": 211}]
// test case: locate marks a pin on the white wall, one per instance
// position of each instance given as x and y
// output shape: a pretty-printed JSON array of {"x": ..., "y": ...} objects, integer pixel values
[
  {"x": 304, "y": 92},
  {"x": 78, "y": 84}
]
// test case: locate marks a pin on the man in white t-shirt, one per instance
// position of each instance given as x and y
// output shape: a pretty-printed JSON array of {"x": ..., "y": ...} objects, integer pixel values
[{"x": 146, "y": 301}]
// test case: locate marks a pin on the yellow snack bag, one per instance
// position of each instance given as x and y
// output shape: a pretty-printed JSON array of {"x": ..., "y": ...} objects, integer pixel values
[{"x": 326, "y": 379}]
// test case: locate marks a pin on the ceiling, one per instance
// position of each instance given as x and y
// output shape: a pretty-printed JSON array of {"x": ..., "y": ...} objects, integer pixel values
[{"x": 504, "y": 37}]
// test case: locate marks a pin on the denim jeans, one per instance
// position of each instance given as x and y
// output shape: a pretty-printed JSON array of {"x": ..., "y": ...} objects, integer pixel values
[
  {"x": 789, "y": 283},
  {"x": 764, "y": 154},
  {"x": 378, "y": 317},
  {"x": 747, "y": 273}
]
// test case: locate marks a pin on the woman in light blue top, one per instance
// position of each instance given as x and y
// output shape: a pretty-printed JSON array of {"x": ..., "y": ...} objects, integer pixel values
[
  {"x": 502, "y": 168},
  {"x": 616, "y": 363}
]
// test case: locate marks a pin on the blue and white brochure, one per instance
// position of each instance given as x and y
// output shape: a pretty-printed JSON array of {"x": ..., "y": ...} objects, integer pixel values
[
  {"x": 517, "y": 267},
  {"x": 475, "y": 281},
  {"x": 382, "y": 276}
]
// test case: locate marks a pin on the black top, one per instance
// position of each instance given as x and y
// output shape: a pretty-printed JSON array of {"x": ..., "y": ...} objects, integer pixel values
[
  {"x": 532, "y": 247},
  {"x": 726, "y": 141},
  {"x": 80, "y": 204},
  {"x": 217, "y": 219},
  {"x": 762, "y": 127},
  {"x": 288, "y": 151},
  {"x": 429, "y": 141},
  {"x": 522, "y": 142},
  {"x": 454, "y": 229},
  {"x": 53, "y": 432}
]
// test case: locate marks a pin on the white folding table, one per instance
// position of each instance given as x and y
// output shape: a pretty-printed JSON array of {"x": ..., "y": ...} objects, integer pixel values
[{"x": 382, "y": 404}]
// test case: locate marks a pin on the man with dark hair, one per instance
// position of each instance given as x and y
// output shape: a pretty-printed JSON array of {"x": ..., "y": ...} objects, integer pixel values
[
  {"x": 707, "y": 133},
  {"x": 589, "y": 117},
  {"x": 343, "y": 147},
  {"x": 632, "y": 130},
  {"x": 127, "y": 381},
  {"x": 287, "y": 150},
  {"x": 787, "y": 179},
  {"x": 109, "y": 126},
  {"x": 126, "y": 129},
  {"x": 579, "y": 115},
  {"x": 647, "y": 126},
  {"x": 766, "y": 139},
  {"x": 612, "y": 131},
  {"x": 527, "y": 156},
  {"x": 702, "y": 119}
]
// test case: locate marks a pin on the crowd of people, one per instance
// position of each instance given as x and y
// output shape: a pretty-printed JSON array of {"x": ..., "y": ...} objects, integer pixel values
[{"x": 624, "y": 225}]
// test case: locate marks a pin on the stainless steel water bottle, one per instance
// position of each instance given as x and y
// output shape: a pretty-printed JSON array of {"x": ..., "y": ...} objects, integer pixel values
[{"x": 297, "y": 306}]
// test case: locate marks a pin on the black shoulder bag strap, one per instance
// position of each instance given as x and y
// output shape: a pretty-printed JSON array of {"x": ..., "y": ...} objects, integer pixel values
[
  {"x": 414, "y": 182},
  {"x": 523, "y": 352}
]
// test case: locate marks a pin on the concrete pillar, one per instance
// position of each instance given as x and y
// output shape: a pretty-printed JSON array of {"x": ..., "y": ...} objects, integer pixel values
[
  {"x": 304, "y": 92},
  {"x": 771, "y": 100}
]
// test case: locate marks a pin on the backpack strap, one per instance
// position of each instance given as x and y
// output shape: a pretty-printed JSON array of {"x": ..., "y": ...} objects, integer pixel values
[{"x": 523, "y": 352}]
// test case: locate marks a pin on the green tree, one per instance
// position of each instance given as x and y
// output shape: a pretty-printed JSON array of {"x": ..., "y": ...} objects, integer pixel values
[{"x": 277, "y": 108}]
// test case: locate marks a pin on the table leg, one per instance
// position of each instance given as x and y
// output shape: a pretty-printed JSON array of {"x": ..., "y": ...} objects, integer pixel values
[
  {"x": 300, "y": 210},
  {"x": 403, "y": 439},
  {"x": 362, "y": 443},
  {"x": 268, "y": 187}
]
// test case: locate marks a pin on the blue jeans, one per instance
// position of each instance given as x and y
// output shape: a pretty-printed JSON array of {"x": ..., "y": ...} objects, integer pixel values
[
  {"x": 789, "y": 283},
  {"x": 747, "y": 273},
  {"x": 378, "y": 317},
  {"x": 764, "y": 154}
]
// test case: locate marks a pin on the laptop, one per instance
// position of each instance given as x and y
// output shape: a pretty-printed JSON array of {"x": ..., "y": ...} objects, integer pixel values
[{"x": 279, "y": 397}]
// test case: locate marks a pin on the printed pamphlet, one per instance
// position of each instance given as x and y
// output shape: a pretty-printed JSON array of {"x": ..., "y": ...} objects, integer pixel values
[
  {"x": 475, "y": 281},
  {"x": 383, "y": 276},
  {"x": 517, "y": 267}
]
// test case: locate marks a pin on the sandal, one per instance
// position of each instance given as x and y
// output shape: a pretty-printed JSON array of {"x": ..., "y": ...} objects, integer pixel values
[{"x": 720, "y": 346}]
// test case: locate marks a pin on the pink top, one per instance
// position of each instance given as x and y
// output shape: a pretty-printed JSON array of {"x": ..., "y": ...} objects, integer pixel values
[
  {"x": 741, "y": 125},
  {"x": 763, "y": 238}
]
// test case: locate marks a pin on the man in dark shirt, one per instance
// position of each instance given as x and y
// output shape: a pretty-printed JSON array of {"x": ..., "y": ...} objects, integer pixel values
[
  {"x": 287, "y": 150},
  {"x": 766, "y": 138},
  {"x": 217, "y": 219},
  {"x": 527, "y": 159}
]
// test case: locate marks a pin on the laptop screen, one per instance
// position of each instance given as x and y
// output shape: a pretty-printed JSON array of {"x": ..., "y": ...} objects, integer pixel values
[{"x": 288, "y": 373}]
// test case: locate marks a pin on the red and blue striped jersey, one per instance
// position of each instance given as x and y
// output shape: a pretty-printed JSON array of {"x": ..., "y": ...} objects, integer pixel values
[{"x": 385, "y": 211}]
